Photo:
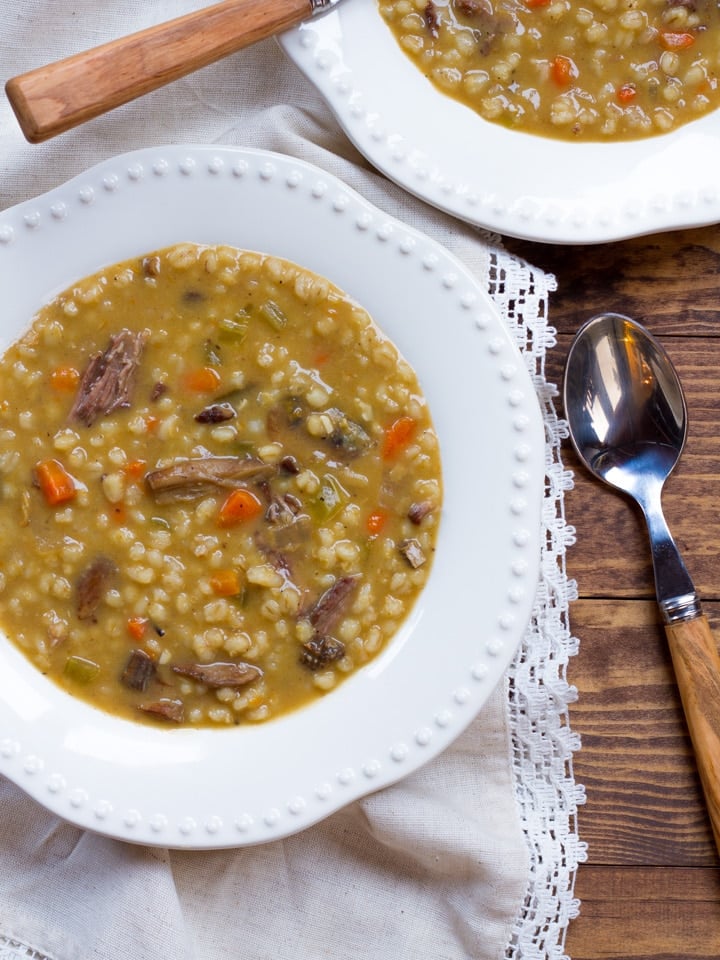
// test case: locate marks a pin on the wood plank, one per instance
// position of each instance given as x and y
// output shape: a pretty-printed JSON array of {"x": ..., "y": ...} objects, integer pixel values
[
  {"x": 667, "y": 280},
  {"x": 644, "y": 802},
  {"x": 646, "y": 913}
]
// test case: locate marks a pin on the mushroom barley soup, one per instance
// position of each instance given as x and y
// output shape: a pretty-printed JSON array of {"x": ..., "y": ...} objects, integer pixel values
[
  {"x": 220, "y": 487},
  {"x": 573, "y": 69}
]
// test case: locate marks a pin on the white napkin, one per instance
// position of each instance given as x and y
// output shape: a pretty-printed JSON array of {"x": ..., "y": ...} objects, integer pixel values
[{"x": 472, "y": 857}]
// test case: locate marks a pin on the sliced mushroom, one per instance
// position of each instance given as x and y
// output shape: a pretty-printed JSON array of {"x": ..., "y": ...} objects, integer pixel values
[
  {"x": 91, "y": 586},
  {"x": 343, "y": 434},
  {"x": 108, "y": 379},
  {"x": 219, "y": 674},
  {"x": 216, "y": 413},
  {"x": 193, "y": 478}
]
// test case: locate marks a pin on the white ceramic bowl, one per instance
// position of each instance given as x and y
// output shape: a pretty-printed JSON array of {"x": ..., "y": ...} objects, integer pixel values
[
  {"x": 515, "y": 183},
  {"x": 215, "y": 788}
]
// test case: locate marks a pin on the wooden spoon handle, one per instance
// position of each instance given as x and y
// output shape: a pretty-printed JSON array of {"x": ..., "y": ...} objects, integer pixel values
[
  {"x": 697, "y": 667},
  {"x": 54, "y": 98}
]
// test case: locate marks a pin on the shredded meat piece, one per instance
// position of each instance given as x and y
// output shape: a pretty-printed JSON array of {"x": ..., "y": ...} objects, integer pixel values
[
  {"x": 108, "y": 379},
  {"x": 216, "y": 413},
  {"x": 219, "y": 674},
  {"x": 413, "y": 553},
  {"x": 490, "y": 19},
  {"x": 474, "y": 8},
  {"x": 91, "y": 586},
  {"x": 432, "y": 19},
  {"x": 139, "y": 671},
  {"x": 326, "y": 613},
  {"x": 283, "y": 510},
  {"x": 193, "y": 478},
  {"x": 319, "y": 651},
  {"x": 158, "y": 390},
  {"x": 418, "y": 511},
  {"x": 166, "y": 709}
]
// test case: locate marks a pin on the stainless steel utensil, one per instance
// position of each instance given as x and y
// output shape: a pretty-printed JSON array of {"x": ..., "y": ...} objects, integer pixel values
[
  {"x": 62, "y": 95},
  {"x": 628, "y": 423}
]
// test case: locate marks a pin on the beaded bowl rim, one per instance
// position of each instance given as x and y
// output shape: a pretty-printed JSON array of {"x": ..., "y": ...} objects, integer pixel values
[{"x": 206, "y": 789}]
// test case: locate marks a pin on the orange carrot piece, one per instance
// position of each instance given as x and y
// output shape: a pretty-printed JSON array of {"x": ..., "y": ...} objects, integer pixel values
[
  {"x": 65, "y": 379},
  {"x": 563, "y": 70},
  {"x": 676, "y": 41},
  {"x": 239, "y": 506},
  {"x": 135, "y": 469},
  {"x": 626, "y": 93},
  {"x": 397, "y": 436},
  {"x": 137, "y": 627},
  {"x": 376, "y": 521},
  {"x": 55, "y": 482},
  {"x": 202, "y": 380},
  {"x": 226, "y": 583}
]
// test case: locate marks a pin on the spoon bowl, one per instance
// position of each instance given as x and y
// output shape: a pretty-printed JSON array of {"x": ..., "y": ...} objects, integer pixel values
[{"x": 627, "y": 420}]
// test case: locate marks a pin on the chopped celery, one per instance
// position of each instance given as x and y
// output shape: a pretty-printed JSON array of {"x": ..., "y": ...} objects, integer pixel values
[
  {"x": 273, "y": 314},
  {"x": 80, "y": 669},
  {"x": 235, "y": 327},
  {"x": 330, "y": 500},
  {"x": 212, "y": 353}
]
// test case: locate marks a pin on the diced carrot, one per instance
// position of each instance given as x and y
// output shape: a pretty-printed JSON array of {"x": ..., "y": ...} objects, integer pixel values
[
  {"x": 135, "y": 469},
  {"x": 202, "y": 380},
  {"x": 137, "y": 627},
  {"x": 151, "y": 423},
  {"x": 119, "y": 512},
  {"x": 226, "y": 583},
  {"x": 626, "y": 93},
  {"x": 676, "y": 41},
  {"x": 239, "y": 506},
  {"x": 537, "y": 3},
  {"x": 563, "y": 70},
  {"x": 397, "y": 436},
  {"x": 376, "y": 521},
  {"x": 321, "y": 357},
  {"x": 55, "y": 482},
  {"x": 64, "y": 379}
]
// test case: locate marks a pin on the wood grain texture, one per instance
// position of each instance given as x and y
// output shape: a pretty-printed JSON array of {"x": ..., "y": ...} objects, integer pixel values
[
  {"x": 667, "y": 281},
  {"x": 646, "y": 913},
  {"x": 54, "y": 98},
  {"x": 644, "y": 801},
  {"x": 697, "y": 672},
  {"x": 651, "y": 887}
]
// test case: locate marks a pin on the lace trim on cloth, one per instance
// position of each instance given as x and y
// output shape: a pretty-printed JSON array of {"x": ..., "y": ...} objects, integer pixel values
[
  {"x": 537, "y": 689},
  {"x": 11, "y": 949}
]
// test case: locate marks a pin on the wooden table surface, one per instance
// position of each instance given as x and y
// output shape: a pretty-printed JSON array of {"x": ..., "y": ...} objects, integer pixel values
[{"x": 651, "y": 884}]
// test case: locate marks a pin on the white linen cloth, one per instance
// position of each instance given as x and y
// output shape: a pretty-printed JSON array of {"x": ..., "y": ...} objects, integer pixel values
[{"x": 471, "y": 858}]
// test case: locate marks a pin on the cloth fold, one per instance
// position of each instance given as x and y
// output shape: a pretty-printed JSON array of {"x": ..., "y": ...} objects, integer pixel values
[{"x": 471, "y": 858}]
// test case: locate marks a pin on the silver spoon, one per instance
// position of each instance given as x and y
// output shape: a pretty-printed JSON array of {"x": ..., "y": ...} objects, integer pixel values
[{"x": 628, "y": 423}]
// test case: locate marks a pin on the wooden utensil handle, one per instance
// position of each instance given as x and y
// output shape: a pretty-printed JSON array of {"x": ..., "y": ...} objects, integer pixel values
[
  {"x": 54, "y": 98},
  {"x": 697, "y": 667}
]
